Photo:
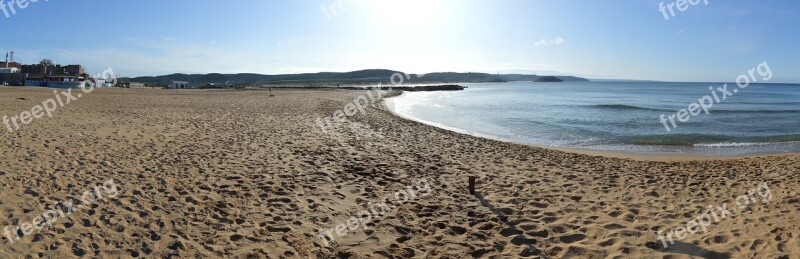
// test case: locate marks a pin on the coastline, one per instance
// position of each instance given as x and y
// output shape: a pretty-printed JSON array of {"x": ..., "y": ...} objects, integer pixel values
[
  {"x": 632, "y": 155},
  {"x": 225, "y": 173}
]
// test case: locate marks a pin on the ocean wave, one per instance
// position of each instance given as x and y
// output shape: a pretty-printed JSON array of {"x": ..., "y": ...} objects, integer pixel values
[
  {"x": 754, "y": 111},
  {"x": 710, "y": 140},
  {"x": 731, "y": 144},
  {"x": 770, "y": 103},
  {"x": 625, "y": 107},
  {"x": 745, "y": 144},
  {"x": 675, "y": 139},
  {"x": 712, "y": 110}
]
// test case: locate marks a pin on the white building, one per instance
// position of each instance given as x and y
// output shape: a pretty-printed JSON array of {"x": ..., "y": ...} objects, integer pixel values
[{"x": 179, "y": 85}]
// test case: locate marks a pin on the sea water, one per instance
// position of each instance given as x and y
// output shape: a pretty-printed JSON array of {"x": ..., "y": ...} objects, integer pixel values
[{"x": 616, "y": 116}]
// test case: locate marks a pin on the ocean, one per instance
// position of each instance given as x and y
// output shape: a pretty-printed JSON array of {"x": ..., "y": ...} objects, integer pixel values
[{"x": 617, "y": 116}]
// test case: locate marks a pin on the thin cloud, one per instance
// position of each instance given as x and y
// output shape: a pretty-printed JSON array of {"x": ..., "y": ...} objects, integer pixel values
[{"x": 549, "y": 42}]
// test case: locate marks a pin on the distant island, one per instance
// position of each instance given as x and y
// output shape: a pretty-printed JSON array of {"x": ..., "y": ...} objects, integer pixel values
[
  {"x": 549, "y": 79},
  {"x": 328, "y": 79}
]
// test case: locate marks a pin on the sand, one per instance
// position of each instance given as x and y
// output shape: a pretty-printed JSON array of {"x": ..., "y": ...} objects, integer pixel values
[{"x": 218, "y": 173}]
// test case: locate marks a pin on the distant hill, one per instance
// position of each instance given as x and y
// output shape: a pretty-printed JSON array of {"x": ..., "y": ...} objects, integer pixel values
[
  {"x": 370, "y": 76},
  {"x": 520, "y": 77},
  {"x": 549, "y": 79},
  {"x": 625, "y": 81}
]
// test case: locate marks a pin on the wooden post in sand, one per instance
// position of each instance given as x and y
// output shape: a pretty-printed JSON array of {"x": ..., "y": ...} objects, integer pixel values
[{"x": 472, "y": 185}]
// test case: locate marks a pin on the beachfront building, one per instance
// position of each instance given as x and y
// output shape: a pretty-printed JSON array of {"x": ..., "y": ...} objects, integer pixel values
[
  {"x": 125, "y": 82},
  {"x": 46, "y": 74},
  {"x": 179, "y": 85},
  {"x": 46, "y": 69},
  {"x": 11, "y": 76},
  {"x": 9, "y": 70},
  {"x": 10, "y": 64},
  {"x": 75, "y": 70}
]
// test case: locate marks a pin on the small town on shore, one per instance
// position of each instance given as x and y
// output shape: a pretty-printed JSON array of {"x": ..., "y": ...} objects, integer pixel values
[{"x": 48, "y": 74}]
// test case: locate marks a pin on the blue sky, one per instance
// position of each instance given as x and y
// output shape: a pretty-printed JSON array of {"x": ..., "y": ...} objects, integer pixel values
[{"x": 626, "y": 39}]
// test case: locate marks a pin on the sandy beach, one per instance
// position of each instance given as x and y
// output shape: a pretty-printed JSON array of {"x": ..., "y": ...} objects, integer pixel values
[{"x": 242, "y": 174}]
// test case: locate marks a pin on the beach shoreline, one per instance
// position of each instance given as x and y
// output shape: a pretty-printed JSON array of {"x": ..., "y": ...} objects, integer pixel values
[
  {"x": 225, "y": 173},
  {"x": 633, "y": 155}
]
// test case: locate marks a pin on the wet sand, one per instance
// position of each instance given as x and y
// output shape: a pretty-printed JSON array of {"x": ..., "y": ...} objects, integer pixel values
[{"x": 218, "y": 173}]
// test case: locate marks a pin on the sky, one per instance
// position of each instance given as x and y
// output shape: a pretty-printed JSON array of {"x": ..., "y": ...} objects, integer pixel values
[{"x": 625, "y": 39}]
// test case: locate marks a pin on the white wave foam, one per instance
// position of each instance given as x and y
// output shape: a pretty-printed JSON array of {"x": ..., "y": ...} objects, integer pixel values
[{"x": 743, "y": 144}]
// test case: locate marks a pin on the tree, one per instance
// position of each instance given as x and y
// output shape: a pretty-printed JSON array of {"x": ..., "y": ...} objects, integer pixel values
[{"x": 46, "y": 62}]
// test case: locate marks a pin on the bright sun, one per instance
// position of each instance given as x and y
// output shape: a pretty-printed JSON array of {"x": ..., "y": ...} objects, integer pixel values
[{"x": 406, "y": 14}]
